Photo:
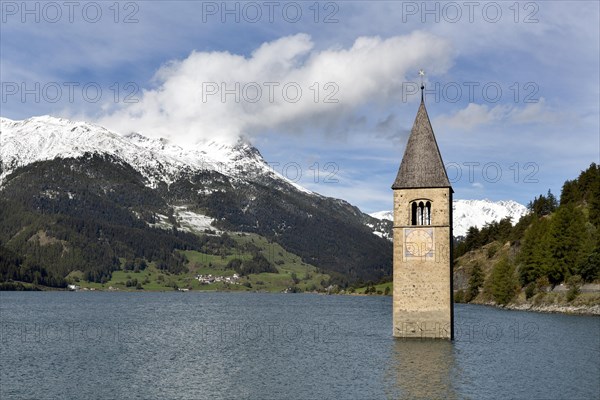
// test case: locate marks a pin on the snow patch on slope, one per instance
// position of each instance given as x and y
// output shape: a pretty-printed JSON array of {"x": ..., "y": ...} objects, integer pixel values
[
  {"x": 383, "y": 215},
  {"x": 192, "y": 221}
]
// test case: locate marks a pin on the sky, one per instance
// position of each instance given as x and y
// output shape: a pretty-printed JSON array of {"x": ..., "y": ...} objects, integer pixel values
[{"x": 327, "y": 91}]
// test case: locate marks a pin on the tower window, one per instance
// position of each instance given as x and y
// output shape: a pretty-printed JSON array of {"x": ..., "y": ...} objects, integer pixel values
[
  {"x": 420, "y": 213},
  {"x": 414, "y": 213}
]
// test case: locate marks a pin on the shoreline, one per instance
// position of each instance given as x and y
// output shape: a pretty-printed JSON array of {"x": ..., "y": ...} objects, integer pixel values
[
  {"x": 553, "y": 308},
  {"x": 593, "y": 310}
]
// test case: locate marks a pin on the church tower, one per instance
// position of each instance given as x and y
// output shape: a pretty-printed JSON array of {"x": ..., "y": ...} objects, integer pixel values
[{"x": 423, "y": 298}]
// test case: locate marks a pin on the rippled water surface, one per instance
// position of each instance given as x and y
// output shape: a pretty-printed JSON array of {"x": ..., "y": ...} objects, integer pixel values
[{"x": 94, "y": 345}]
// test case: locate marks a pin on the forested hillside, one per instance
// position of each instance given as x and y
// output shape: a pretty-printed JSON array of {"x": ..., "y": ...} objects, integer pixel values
[
  {"x": 557, "y": 242},
  {"x": 95, "y": 213},
  {"x": 47, "y": 232}
]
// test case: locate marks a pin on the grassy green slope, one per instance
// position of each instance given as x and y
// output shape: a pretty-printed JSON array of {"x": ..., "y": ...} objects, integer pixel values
[{"x": 292, "y": 272}]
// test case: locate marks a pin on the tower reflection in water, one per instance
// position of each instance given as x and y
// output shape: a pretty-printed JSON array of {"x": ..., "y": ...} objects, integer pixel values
[{"x": 422, "y": 369}]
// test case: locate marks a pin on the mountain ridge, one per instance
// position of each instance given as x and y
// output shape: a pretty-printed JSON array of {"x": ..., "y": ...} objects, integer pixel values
[
  {"x": 474, "y": 212},
  {"x": 158, "y": 160},
  {"x": 77, "y": 180}
]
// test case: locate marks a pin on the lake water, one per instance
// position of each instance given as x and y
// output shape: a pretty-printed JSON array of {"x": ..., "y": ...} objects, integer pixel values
[{"x": 94, "y": 345}]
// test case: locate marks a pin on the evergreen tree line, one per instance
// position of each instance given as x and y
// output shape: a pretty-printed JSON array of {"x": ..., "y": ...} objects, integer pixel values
[
  {"x": 90, "y": 246},
  {"x": 14, "y": 268},
  {"x": 324, "y": 232},
  {"x": 101, "y": 209},
  {"x": 257, "y": 264},
  {"x": 494, "y": 231},
  {"x": 83, "y": 214},
  {"x": 565, "y": 242},
  {"x": 554, "y": 243}
]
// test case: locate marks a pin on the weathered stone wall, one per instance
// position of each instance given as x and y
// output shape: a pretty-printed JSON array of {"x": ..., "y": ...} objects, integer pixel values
[{"x": 422, "y": 302}]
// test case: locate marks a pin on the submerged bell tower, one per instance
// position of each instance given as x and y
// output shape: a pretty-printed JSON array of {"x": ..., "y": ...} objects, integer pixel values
[{"x": 422, "y": 295}]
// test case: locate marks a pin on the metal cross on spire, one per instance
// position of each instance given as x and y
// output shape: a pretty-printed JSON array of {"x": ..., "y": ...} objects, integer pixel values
[{"x": 422, "y": 75}]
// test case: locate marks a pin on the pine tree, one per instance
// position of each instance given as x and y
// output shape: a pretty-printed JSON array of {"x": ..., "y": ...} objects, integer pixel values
[
  {"x": 569, "y": 242},
  {"x": 503, "y": 283},
  {"x": 589, "y": 269},
  {"x": 534, "y": 255},
  {"x": 543, "y": 205},
  {"x": 570, "y": 193},
  {"x": 475, "y": 282},
  {"x": 594, "y": 205},
  {"x": 472, "y": 240}
]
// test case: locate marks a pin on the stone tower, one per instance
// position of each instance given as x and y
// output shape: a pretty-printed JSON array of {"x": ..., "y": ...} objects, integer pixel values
[{"x": 423, "y": 299}]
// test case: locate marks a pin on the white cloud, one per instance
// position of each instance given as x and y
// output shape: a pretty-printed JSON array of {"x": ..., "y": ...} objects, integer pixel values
[
  {"x": 473, "y": 116},
  {"x": 183, "y": 109},
  {"x": 534, "y": 113},
  {"x": 477, "y": 115}
]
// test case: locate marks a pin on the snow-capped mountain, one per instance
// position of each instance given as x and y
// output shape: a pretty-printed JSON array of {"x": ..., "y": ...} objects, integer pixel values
[
  {"x": 68, "y": 176},
  {"x": 477, "y": 213},
  {"x": 46, "y": 138},
  {"x": 383, "y": 215},
  {"x": 467, "y": 213}
]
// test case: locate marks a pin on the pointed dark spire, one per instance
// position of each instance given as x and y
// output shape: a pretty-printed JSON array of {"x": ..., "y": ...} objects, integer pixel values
[{"x": 422, "y": 165}]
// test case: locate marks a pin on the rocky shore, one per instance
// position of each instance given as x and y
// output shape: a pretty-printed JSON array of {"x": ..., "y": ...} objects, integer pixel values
[{"x": 553, "y": 308}]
